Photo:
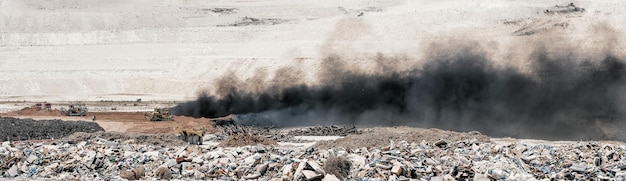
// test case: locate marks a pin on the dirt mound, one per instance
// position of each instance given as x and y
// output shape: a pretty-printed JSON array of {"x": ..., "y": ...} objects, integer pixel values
[
  {"x": 245, "y": 140},
  {"x": 28, "y": 111},
  {"x": 382, "y": 136},
  {"x": 25, "y": 129},
  {"x": 129, "y": 138}
]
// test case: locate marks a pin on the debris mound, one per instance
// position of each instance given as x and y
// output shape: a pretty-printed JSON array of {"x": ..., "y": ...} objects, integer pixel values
[
  {"x": 331, "y": 130},
  {"x": 134, "y": 138},
  {"x": 431, "y": 158},
  {"x": 381, "y": 136},
  {"x": 245, "y": 140},
  {"x": 567, "y": 9},
  {"x": 29, "y": 111},
  {"x": 234, "y": 130},
  {"x": 250, "y": 21},
  {"x": 14, "y": 129}
]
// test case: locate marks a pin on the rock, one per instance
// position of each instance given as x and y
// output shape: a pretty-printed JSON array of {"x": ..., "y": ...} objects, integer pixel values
[
  {"x": 330, "y": 177},
  {"x": 299, "y": 169},
  {"x": 315, "y": 166},
  {"x": 169, "y": 163},
  {"x": 396, "y": 169},
  {"x": 134, "y": 174},
  {"x": 362, "y": 174},
  {"x": 153, "y": 154},
  {"x": 480, "y": 177},
  {"x": 129, "y": 175},
  {"x": 441, "y": 144},
  {"x": 32, "y": 158},
  {"x": 578, "y": 168},
  {"x": 253, "y": 176},
  {"x": 262, "y": 168},
  {"x": 163, "y": 173},
  {"x": 139, "y": 172},
  {"x": 13, "y": 172},
  {"x": 286, "y": 171},
  {"x": 437, "y": 178},
  {"x": 311, "y": 175}
]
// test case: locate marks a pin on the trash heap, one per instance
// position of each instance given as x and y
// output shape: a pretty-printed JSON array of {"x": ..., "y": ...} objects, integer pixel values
[{"x": 102, "y": 159}]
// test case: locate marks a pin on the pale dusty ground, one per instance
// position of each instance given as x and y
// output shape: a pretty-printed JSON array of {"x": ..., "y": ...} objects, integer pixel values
[
  {"x": 117, "y": 121},
  {"x": 69, "y": 50}
]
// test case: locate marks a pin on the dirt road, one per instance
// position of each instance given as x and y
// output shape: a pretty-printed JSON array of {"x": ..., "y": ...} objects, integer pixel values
[{"x": 117, "y": 121}]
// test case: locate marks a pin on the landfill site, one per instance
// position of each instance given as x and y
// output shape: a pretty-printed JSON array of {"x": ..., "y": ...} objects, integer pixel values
[{"x": 406, "y": 90}]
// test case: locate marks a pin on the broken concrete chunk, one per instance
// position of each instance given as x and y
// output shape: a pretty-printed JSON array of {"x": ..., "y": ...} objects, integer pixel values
[
  {"x": 578, "y": 168},
  {"x": 253, "y": 176},
  {"x": 330, "y": 177},
  {"x": 396, "y": 169},
  {"x": 13, "y": 172},
  {"x": 311, "y": 175},
  {"x": 316, "y": 167},
  {"x": 32, "y": 158}
]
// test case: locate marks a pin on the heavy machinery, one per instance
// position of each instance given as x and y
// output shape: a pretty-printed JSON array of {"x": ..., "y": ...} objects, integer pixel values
[
  {"x": 75, "y": 110},
  {"x": 158, "y": 114},
  {"x": 41, "y": 106},
  {"x": 191, "y": 135}
]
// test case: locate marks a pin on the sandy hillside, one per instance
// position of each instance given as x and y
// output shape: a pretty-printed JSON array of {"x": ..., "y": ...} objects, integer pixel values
[{"x": 170, "y": 50}]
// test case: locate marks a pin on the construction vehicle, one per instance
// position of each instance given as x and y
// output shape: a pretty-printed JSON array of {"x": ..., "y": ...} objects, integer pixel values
[
  {"x": 158, "y": 114},
  {"x": 75, "y": 110},
  {"x": 41, "y": 106},
  {"x": 191, "y": 135}
]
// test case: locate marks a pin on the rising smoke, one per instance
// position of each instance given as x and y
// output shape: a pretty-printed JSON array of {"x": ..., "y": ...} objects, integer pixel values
[{"x": 560, "y": 96}]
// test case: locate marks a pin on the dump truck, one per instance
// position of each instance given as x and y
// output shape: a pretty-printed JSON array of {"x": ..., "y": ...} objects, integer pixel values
[
  {"x": 192, "y": 136},
  {"x": 158, "y": 114},
  {"x": 74, "y": 110}
]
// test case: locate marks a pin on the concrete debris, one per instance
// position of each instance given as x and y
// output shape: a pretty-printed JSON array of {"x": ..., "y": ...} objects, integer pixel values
[
  {"x": 331, "y": 130},
  {"x": 102, "y": 159},
  {"x": 311, "y": 175}
]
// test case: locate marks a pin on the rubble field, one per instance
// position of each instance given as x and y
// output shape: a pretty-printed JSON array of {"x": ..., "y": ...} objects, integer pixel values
[{"x": 387, "y": 153}]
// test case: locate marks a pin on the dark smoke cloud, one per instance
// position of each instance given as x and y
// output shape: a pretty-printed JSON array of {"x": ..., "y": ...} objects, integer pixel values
[{"x": 562, "y": 96}]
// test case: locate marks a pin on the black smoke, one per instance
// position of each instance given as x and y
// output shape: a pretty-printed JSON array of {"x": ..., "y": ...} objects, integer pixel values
[{"x": 558, "y": 96}]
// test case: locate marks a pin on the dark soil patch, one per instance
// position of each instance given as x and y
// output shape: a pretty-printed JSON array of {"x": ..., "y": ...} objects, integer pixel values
[{"x": 15, "y": 129}]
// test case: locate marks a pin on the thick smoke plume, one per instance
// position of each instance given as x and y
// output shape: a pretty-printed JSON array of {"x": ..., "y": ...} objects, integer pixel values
[{"x": 559, "y": 96}]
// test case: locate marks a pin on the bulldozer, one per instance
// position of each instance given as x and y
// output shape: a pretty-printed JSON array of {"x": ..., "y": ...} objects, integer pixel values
[
  {"x": 192, "y": 136},
  {"x": 74, "y": 110},
  {"x": 158, "y": 114}
]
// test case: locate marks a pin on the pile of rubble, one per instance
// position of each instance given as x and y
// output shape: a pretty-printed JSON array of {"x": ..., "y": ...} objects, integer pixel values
[
  {"x": 15, "y": 129},
  {"x": 102, "y": 159},
  {"x": 331, "y": 130},
  {"x": 233, "y": 130},
  {"x": 285, "y": 134}
]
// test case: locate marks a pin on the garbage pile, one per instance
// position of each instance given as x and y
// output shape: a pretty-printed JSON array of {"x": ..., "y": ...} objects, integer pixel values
[
  {"x": 14, "y": 129},
  {"x": 102, "y": 159}
]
